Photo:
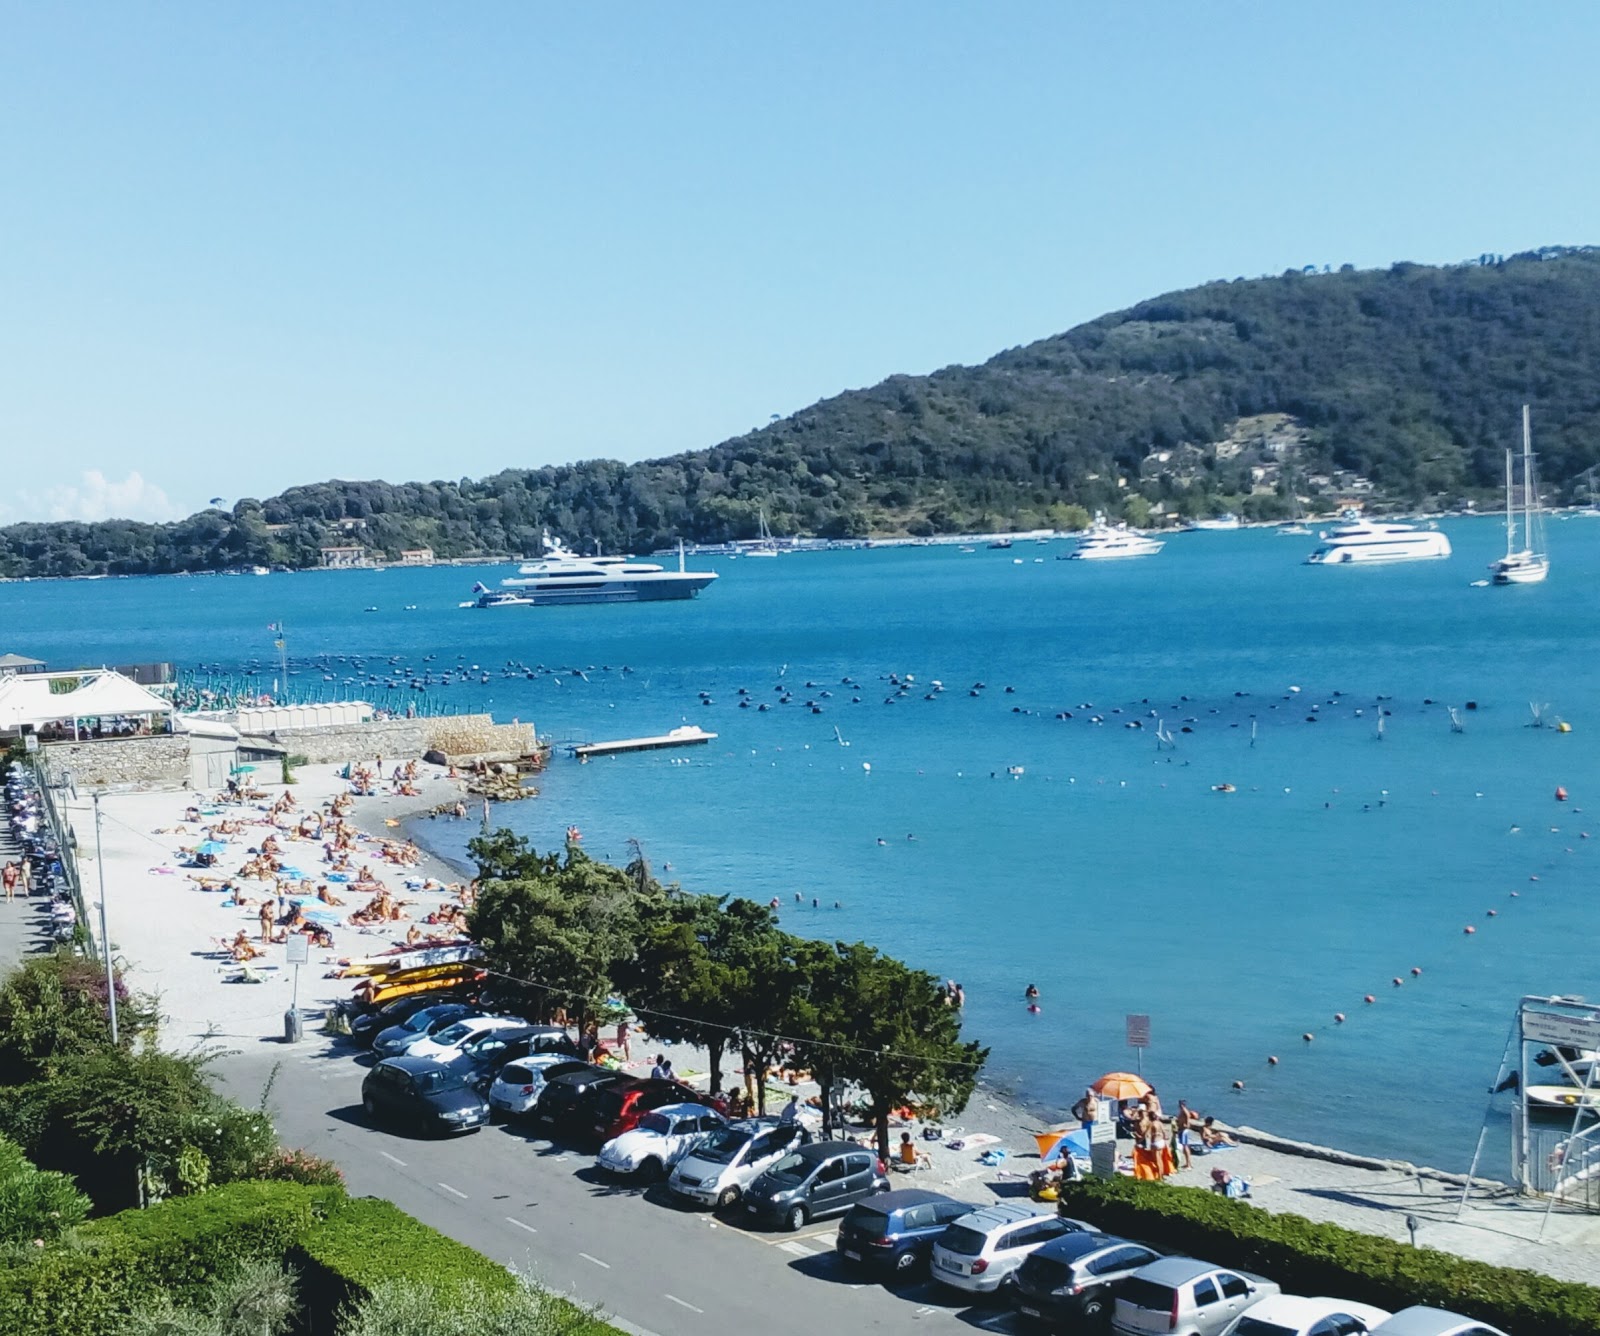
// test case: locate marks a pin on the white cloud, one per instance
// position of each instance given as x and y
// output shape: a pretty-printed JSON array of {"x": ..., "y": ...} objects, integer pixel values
[{"x": 94, "y": 497}]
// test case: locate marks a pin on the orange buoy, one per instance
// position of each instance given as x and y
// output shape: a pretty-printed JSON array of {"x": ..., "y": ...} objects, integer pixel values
[
  {"x": 1339, "y": 1017},
  {"x": 1416, "y": 971},
  {"x": 1469, "y": 930},
  {"x": 1561, "y": 794},
  {"x": 1398, "y": 981},
  {"x": 1369, "y": 998}
]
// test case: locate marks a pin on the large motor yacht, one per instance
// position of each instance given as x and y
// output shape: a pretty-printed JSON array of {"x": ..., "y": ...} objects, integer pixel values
[
  {"x": 561, "y": 576},
  {"x": 1105, "y": 542},
  {"x": 1368, "y": 541}
]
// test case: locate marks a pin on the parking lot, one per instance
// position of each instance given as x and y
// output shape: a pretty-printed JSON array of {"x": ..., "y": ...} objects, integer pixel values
[{"x": 539, "y": 1206}]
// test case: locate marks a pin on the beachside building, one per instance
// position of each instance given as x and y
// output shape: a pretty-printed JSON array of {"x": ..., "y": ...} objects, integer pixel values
[
  {"x": 13, "y": 664},
  {"x": 344, "y": 558},
  {"x": 416, "y": 556}
]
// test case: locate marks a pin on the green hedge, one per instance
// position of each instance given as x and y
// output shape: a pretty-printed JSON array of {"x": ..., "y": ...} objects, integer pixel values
[
  {"x": 1306, "y": 1257},
  {"x": 367, "y": 1240},
  {"x": 120, "y": 1262}
]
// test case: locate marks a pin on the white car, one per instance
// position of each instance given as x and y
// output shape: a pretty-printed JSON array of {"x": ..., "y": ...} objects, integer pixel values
[
  {"x": 1420, "y": 1320},
  {"x": 449, "y": 1042},
  {"x": 1290, "y": 1315},
  {"x": 518, "y": 1085},
  {"x": 978, "y": 1252},
  {"x": 718, "y": 1170},
  {"x": 662, "y": 1138}
]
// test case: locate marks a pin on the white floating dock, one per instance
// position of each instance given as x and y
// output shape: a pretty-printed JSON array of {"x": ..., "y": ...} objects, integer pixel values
[{"x": 689, "y": 736}]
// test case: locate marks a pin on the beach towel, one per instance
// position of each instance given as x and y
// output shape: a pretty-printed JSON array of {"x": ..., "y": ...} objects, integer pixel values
[
  {"x": 992, "y": 1157},
  {"x": 973, "y": 1142}
]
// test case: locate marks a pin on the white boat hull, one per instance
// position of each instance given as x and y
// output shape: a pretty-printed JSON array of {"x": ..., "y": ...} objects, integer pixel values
[
  {"x": 1114, "y": 554},
  {"x": 1428, "y": 547},
  {"x": 1520, "y": 570}
]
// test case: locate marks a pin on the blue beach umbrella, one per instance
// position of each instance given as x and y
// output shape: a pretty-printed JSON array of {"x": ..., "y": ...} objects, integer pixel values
[
  {"x": 211, "y": 848},
  {"x": 1076, "y": 1142},
  {"x": 292, "y": 874}
]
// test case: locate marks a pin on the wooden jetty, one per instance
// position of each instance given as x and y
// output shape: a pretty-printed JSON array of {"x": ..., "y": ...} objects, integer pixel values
[{"x": 690, "y": 735}]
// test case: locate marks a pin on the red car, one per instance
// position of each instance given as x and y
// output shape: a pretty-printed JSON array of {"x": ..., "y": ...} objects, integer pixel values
[{"x": 618, "y": 1108}]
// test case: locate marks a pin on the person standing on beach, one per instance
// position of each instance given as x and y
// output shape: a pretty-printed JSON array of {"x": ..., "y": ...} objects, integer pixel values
[
  {"x": 25, "y": 881},
  {"x": 1184, "y": 1123},
  {"x": 622, "y": 1041},
  {"x": 10, "y": 876},
  {"x": 266, "y": 919}
]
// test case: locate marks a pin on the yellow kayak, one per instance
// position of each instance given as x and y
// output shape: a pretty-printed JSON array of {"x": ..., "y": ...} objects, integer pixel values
[{"x": 388, "y": 990}]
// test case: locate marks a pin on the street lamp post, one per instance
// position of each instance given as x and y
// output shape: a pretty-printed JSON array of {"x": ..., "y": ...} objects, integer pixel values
[{"x": 105, "y": 937}]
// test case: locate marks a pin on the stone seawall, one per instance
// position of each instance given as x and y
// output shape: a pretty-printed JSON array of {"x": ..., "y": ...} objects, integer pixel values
[
  {"x": 161, "y": 761},
  {"x": 399, "y": 738},
  {"x": 478, "y": 735}
]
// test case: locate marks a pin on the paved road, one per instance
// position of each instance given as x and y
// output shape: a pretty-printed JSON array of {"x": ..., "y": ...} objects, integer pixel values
[{"x": 531, "y": 1204}]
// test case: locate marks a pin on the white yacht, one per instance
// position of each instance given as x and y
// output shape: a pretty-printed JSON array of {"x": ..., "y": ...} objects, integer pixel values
[
  {"x": 561, "y": 576},
  {"x": 1367, "y": 542},
  {"x": 1530, "y": 563},
  {"x": 1221, "y": 524},
  {"x": 1104, "y": 542}
]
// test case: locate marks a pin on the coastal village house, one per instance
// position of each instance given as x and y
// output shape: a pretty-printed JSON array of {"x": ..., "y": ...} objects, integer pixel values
[
  {"x": 416, "y": 556},
  {"x": 344, "y": 558},
  {"x": 13, "y": 664}
]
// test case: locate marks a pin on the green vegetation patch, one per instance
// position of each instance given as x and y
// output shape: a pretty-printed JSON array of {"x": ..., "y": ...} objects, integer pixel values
[{"x": 1310, "y": 1258}]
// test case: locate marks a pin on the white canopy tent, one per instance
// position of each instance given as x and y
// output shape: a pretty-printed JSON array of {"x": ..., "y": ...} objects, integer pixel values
[{"x": 30, "y": 701}]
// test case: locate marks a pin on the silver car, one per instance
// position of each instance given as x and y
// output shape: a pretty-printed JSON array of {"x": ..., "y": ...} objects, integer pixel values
[
  {"x": 661, "y": 1138},
  {"x": 519, "y": 1084},
  {"x": 1185, "y": 1297},
  {"x": 982, "y": 1250},
  {"x": 1420, "y": 1320},
  {"x": 720, "y": 1168}
]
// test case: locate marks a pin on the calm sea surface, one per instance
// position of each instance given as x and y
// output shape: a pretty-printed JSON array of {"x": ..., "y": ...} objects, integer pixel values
[{"x": 1108, "y": 872}]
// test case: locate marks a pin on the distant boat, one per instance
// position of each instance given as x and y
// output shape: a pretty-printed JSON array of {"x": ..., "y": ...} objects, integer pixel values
[
  {"x": 766, "y": 545},
  {"x": 1222, "y": 523},
  {"x": 1105, "y": 543},
  {"x": 1361, "y": 542},
  {"x": 561, "y": 577},
  {"x": 1530, "y": 563}
]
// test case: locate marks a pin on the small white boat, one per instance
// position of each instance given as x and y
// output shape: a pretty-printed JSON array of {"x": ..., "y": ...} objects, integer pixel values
[
  {"x": 1105, "y": 542},
  {"x": 1220, "y": 524},
  {"x": 766, "y": 545},
  {"x": 1368, "y": 542},
  {"x": 1564, "y": 1096},
  {"x": 1530, "y": 563}
]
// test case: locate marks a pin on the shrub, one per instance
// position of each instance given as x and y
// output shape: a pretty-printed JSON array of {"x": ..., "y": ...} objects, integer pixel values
[
  {"x": 1306, "y": 1257},
  {"x": 412, "y": 1308},
  {"x": 177, "y": 1250},
  {"x": 35, "y": 1204},
  {"x": 298, "y": 1166}
]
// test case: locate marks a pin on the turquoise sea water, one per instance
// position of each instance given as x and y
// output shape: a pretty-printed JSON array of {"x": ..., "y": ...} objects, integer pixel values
[{"x": 1109, "y": 873}]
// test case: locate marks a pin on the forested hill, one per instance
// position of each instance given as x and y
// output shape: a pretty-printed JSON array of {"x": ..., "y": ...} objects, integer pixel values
[{"x": 1269, "y": 395}]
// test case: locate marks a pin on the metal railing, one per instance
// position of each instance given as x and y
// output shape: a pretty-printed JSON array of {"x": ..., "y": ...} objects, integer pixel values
[{"x": 61, "y": 830}]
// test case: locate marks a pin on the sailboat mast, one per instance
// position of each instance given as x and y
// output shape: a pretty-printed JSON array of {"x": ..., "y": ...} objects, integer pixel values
[
  {"x": 1511, "y": 520},
  {"x": 1527, "y": 477}
]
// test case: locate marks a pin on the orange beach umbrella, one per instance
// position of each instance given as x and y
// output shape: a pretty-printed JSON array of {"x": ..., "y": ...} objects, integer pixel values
[{"x": 1121, "y": 1085}]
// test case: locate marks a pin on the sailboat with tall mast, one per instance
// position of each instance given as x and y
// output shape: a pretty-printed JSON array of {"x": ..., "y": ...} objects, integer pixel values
[
  {"x": 1530, "y": 563},
  {"x": 765, "y": 544}
]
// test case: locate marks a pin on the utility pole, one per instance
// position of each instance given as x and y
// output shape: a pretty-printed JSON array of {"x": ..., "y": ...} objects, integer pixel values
[{"x": 105, "y": 937}]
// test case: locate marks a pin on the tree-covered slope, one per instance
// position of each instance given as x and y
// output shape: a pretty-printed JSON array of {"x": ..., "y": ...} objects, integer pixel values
[{"x": 1409, "y": 379}]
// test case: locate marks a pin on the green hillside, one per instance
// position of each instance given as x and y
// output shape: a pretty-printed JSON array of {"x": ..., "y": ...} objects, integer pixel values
[{"x": 1400, "y": 386}]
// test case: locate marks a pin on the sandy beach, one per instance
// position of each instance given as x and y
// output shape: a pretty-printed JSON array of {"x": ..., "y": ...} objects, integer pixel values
[
  {"x": 170, "y": 934},
  {"x": 169, "y": 931}
]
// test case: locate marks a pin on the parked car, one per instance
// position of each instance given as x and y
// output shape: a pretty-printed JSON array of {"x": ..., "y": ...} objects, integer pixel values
[
  {"x": 1073, "y": 1280},
  {"x": 486, "y": 1056},
  {"x": 442, "y": 1045},
  {"x": 1185, "y": 1296},
  {"x": 394, "y": 1041},
  {"x": 517, "y": 1086},
  {"x": 618, "y": 1108},
  {"x": 423, "y": 1095},
  {"x": 1420, "y": 1320},
  {"x": 895, "y": 1232},
  {"x": 563, "y": 1101},
  {"x": 822, "y": 1179},
  {"x": 1290, "y": 1315},
  {"x": 717, "y": 1171},
  {"x": 369, "y": 1024},
  {"x": 659, "y": 1140},
  {"x": 980, "y": 1252}
]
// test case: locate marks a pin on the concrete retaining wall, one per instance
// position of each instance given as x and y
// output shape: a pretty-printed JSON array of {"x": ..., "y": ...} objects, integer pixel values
[
  {"x": 478, "y": 735},
  {"x": 397, "y": 738},
  {"x": 123, "y": 763}
]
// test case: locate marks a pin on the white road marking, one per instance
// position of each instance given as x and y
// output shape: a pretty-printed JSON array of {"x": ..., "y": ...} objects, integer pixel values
[
  {"x": 595, "y": 1260},
  {"x": 458, "y": 1192},
  {"x": 682, "y": 1302},
  {"x": 520, "y": 1225},
  {"x": 798, "y": 1249},
  {"x": 393, "y": 1159}
]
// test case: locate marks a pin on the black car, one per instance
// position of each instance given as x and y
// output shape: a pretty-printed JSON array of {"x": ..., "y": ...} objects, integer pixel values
[
  {"x": 367, "y": 1026},
  {"x": 423, "y": 1095},
  {"x": 895, "y": 1231},
  {"x": 824, "y": 1178},
  {"x": 489, "y": 1054},
  {"x": 396, "y": 1039},
  {"x": 1074, "y": 1279},
  {"x": 565, "y": 1100}
]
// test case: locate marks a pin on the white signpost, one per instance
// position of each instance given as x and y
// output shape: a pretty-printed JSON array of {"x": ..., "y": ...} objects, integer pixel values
[{"x": 297, "y": 953}]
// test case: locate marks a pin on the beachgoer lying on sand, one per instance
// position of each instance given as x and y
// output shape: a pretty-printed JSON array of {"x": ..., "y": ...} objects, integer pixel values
[
  {"x": 326, "y": 896},
  {"x": 1211, "y": 1135},
  {"x": 244, "y": 949}
]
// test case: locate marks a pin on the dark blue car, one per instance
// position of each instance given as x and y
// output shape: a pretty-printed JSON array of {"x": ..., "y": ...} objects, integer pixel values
[{"x": 894, "y": 1232}]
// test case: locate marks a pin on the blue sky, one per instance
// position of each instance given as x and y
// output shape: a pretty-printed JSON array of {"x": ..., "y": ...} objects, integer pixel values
[{"x": 247, "y": 246}]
